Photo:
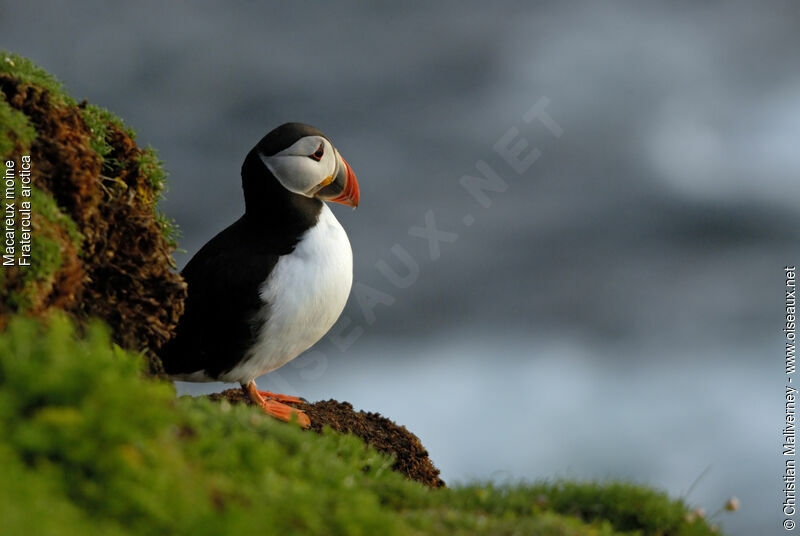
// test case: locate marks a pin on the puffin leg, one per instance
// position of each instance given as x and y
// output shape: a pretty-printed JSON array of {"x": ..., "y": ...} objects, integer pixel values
[
  {"x": 275, "y": 408},
  {"x": 283, "y": 398}
]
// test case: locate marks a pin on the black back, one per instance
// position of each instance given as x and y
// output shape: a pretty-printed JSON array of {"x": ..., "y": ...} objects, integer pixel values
[{"x": 221, "y": 318}]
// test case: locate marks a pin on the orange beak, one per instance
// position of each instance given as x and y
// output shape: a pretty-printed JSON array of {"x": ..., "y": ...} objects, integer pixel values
[
  {"x": 342, "y": 188},
  {"x": 350, "y": 193}
]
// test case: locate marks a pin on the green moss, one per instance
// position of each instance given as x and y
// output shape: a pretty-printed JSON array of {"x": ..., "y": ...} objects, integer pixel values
[
  {"x": 45, "y": 262},
  {"x": 169, "y": 228},
  {"x": 47, "y": 208},
  {"x": 25, "y": 70},
  {"x": 624, "y": 506},
  {"x": 89, "y": 446},
  {"x": 152, "y": 169},
  {"x": 97, "y": 120},
  {"x": 148, "y": 164},
  {"x": 15, "y": 130},
  {"x": 34, "y": 496},
  {"x": 101, "y": 117},
  {"x": 46, "y": 250}
]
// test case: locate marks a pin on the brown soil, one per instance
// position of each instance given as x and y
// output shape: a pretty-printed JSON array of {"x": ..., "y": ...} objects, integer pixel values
[
  {"x": 122, "y": 273},
  {"x": 411, "y": 458}
]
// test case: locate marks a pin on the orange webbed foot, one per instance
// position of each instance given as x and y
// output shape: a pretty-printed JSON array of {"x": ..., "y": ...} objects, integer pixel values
[
  {"x": 273, "y": 405},
  {"x": 283, "y": 398},
  {"x": 285, "y": 413}
]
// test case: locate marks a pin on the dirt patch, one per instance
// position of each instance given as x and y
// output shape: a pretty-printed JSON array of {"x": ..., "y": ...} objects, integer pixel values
[
  {"x": 108, "y": 256},
  {"x": 411, "y": 458}
]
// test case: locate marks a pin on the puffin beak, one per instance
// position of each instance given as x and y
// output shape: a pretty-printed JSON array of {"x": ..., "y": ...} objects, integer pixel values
[{"x": 343, "y": 188}]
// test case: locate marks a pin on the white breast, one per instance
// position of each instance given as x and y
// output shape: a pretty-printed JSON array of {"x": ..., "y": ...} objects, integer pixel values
[{"x": 303, "y": 297}]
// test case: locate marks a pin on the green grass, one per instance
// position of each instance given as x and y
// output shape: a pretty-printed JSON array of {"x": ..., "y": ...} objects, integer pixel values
[
  {"x": 27, "y": 71},
  {"x": 98, "y": 119},
  {"x": 15, "y": 130},
  {"x": 88, "y": 446},
  {"x": 47, "y": 256},
  {"x": 152, "y": 168},
  {"x": 48, "y": 210}
]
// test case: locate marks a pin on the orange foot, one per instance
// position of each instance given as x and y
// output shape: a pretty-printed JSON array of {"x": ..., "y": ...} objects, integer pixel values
[
  {"x": 283, "y": 398},
  {"x": 272, "y": 406}
]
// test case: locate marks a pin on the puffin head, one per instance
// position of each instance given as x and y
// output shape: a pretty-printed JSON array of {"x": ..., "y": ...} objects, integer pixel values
[{"x": 305, "y": 162}]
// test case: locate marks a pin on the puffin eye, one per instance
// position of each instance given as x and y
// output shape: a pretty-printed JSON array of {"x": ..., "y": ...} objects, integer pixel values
[{"x": 318, "y": 153}]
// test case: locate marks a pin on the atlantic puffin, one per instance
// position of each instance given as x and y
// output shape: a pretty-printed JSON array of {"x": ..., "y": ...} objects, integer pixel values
[{"x": 270, "y": 285}]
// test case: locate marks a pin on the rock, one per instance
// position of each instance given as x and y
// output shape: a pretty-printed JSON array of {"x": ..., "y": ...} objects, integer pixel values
[{"x": 99, "y": 246}]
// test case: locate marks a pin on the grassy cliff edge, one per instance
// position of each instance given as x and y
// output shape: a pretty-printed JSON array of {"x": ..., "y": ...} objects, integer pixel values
[
  {"x": 89, "y": 443},
  {"x": 99, "y": 245}
]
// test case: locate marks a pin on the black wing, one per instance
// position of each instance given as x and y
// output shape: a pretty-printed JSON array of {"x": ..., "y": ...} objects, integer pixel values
[{"x": 220, "y": 319}]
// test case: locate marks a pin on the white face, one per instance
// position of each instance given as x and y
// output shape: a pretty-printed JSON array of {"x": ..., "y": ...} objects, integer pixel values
[{"x": 304, "y": 167}]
